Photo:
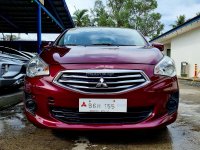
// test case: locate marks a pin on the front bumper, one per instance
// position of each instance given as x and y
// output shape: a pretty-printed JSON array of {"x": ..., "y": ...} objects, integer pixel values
[
  {"x": 148, "y": 124},
  {"x": 156, "y": 94},
  {"x": 12, "y": 82}
]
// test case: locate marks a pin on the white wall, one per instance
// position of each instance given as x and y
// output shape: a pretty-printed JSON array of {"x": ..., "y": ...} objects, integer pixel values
[{"x": 186, "y": 47}]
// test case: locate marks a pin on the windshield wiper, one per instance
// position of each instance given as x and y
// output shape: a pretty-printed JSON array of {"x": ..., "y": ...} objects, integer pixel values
[
  {"x": 127, "y": 45},
  {"x": 98, "y": 44},
  {"x": 106, "y": 44},
  {"x": 71, "y": 45}
]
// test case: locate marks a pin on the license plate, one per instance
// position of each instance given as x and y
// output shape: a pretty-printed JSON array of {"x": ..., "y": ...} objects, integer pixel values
[{"x": 102, "y": 105}]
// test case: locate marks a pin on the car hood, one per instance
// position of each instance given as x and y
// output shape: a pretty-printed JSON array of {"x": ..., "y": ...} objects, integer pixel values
[{"x": 103, "y": 55}]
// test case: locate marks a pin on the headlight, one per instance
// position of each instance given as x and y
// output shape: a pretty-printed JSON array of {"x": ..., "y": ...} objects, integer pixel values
[
  {"x": 37, "y": 67},
  {"x": 165, "y": 67}
]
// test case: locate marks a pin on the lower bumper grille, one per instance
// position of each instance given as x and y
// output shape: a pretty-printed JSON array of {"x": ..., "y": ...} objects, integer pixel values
[{"x": 70, "y": 116}]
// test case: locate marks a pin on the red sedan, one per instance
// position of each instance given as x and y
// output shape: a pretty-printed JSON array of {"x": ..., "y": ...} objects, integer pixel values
[{"x": 101, "y": 79}]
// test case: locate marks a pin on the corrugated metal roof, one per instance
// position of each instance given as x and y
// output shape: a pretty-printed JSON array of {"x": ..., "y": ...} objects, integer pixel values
[{"x": 20, "y": 16}]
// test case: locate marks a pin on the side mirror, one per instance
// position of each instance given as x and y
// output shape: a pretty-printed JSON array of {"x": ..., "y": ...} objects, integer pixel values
[
  {"x": 158, "y": 46},
  {"x": 47, "y": 44},
  {"x": 50, "y": 44}
]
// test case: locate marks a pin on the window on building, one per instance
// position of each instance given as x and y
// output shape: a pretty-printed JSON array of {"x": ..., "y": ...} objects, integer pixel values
[{"x": 169, "y": 52}]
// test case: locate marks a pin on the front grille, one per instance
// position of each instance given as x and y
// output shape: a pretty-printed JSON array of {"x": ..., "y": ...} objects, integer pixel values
[
  {"x": 101, "y": 81},
  {"x": 72, "y": 116}
]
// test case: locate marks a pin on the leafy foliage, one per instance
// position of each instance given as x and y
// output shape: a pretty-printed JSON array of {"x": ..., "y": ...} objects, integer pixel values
[
  {"x": 100, "y": 15},
  {"x": 198, "y": 14},
  {"x": 180, "y": 20},
  {"x": 81, "y": 18},
  {"x": 135, "y": 14}
]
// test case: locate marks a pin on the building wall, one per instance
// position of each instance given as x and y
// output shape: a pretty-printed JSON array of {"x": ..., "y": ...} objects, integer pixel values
[{"x": 186, "y": 47}]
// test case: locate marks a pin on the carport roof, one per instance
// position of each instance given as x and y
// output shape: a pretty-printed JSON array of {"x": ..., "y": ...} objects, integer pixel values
[{"x": 20, "y": 16}]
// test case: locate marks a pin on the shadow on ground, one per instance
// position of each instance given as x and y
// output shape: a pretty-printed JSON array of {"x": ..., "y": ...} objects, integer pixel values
[{"x": 140, "y": 137}]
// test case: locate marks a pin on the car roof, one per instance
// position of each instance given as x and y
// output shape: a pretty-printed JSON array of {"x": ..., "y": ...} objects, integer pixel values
[{"x": 98, "y": 28}]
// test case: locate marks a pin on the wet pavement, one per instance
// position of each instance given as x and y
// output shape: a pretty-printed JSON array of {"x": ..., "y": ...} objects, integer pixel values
[
  {"x": 16, "y": 133},
  {"x": 10, "y": 97}
]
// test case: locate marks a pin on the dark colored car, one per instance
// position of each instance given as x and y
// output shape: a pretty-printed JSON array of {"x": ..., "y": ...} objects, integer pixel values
[
  {"x": 101, "y": 78},
  {"x": 12, "y": 67},
  {"x": 12, "y": 72}
]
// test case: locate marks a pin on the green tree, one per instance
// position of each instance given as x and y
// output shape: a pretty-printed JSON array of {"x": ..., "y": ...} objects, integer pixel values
[
  {"x": 100, "y": 15},
  {"x": 81, "y": 18},
  {"x": 144, "y": 19},
  {"x": 136, "y": 14},
  {"x": 198, "y": 14},
  {"x": 180, "y": 20},
  {"x": 120, "y": 11}
]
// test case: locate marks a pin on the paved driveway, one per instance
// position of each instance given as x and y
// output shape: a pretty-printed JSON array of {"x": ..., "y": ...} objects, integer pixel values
[{"x": 16, "y": 133}]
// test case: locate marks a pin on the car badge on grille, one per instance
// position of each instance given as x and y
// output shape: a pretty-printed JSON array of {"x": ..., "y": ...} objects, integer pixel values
[{"x": 102, "y": 84}]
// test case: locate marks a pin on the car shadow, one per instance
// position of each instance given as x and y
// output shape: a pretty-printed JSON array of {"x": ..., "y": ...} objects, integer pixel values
[
  {"x": 7, "y": 91},
  {"x": 134, "y": 137}
]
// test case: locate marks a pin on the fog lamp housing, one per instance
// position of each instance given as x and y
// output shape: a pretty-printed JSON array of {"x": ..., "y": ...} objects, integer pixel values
[{"x": 172, "y": 104}]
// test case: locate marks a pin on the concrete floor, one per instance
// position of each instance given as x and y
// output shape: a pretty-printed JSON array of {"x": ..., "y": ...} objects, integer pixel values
[
  {"x": 17, "y": 133},
  {"x": 10, "y": 97}
]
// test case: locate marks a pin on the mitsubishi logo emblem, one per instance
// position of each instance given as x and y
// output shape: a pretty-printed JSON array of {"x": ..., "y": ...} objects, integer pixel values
[{"x": 102, "y": 84}]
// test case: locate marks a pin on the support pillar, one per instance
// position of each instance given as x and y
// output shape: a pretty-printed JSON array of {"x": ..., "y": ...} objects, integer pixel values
[{"x": 39, "y": 29}]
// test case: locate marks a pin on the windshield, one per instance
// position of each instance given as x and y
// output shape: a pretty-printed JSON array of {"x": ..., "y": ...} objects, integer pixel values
[{"x": 101, "y": 36}]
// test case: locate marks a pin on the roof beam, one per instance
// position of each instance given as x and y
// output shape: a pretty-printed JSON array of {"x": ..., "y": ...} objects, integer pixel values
[
  {"x": 10, "y": 22},
  {"x": 66, "y": 8},
  {"x": 50, "y": 15},
  {"x": 54, "y": 10}
]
